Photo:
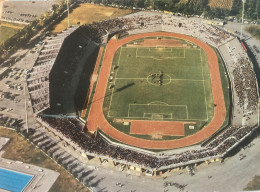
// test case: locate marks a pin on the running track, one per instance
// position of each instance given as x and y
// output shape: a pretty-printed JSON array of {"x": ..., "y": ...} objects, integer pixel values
[{"x": 97, "y": 119}]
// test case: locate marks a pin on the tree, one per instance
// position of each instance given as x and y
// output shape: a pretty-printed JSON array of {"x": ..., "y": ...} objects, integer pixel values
[
  {"x": 140, "y": 3},
  {"x": 147, "y": 3}
]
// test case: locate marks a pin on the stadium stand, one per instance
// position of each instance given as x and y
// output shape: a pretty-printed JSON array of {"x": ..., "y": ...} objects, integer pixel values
[
  {"x": 38, "y": 78},
  {"x": 67, "y": 70},
  {"x": 244, "y": 87}
]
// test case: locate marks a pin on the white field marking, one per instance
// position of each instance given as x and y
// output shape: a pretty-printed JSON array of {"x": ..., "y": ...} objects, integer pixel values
[
  {"x": 108, "y": 114},
  {"x": 164, "y": 118},
  {"x": 157, "y": 49},
  {"x": 115, "y": 80},
  {"x": 158, "y": 103},
  {"x": 144, "y": 115},
  {"x": 195, "y": 119},
  {"x": 129, "y": 107},
  {"x": 187, "y": 113},
  {"x": 158, "y": 113},
  {"x": 152, "y": 57},
  {"x": 204, "y": 85},
  {"x": 164, "y": 79},
  {"x": 160, "y": 47},
  {"x": 160, "y": 117},
  {"x": 131, "y": 78},
  {"x": 128, "y": 110},
  {"x": 184, "y": 51}
]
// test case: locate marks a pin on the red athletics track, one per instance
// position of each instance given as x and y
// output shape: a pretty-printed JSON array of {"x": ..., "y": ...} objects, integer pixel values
[
  {"x": 93, "y": 79},
  {"x": 97, "y": 119},
  {"x": 145, "y": 127}
]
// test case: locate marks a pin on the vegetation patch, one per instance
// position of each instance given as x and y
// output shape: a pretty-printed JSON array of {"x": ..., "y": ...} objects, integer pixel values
[
  {"x": 253, "y": 185},
  {"x": 6, "y": 33},
  {"x": 224, "y": 4},
  {"x": 7, "y": 30},
  {"x": 254, "y": 31}
]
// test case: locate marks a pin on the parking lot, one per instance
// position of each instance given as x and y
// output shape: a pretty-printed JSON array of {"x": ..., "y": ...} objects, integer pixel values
[{"x": 12, "y": 89}]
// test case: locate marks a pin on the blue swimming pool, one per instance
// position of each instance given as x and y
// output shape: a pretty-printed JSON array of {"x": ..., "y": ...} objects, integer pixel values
[{"x": 13, "y": 181}]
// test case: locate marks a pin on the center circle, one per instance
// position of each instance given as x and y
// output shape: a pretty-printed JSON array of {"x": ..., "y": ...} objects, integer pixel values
[{"x": 158, "y": 79}]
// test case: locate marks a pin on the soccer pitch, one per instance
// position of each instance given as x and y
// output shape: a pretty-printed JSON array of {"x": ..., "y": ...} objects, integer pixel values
[{"x": 159, "y": 83}]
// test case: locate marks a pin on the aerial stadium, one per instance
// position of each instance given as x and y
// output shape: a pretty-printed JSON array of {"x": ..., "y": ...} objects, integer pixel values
[{"x": 148, "y": 91}]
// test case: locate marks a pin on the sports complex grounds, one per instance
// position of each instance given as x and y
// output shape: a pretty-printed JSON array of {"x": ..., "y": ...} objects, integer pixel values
[{"x": 149, "y": 92}]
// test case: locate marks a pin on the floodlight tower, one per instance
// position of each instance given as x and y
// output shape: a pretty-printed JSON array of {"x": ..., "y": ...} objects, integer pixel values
[
  {"x": 243, "y": 10},
  {"x": 68, "y": 13}
]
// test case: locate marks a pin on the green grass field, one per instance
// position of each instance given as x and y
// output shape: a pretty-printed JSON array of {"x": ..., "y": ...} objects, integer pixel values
[
  {"x": 6, "y": 32},
  {"x": 159, "y": 83}
]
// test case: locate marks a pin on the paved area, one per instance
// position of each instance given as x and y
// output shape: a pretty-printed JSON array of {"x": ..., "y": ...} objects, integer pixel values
[
  {"x": 12, "y": 92},
  {"x": 251, "y": 41},
  {"x": 23, "y": 12}
]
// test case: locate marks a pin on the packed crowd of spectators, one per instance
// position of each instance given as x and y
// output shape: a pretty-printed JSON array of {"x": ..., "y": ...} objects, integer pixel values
[
  {"x": 142, "y": 22},
  {"x": 97, "y": 30},
  {"x": 98, "y": 146},
  {"x": 249, "y": 83},
  {"x": 230, "y": 136},
  {"x": 239, "y": 88},
  {"x": 245, "y": 84},
  {"x": 149, "y": 22},
  {"x": 222, "y": 137},
  {"x": 139, "y": 21},
  {"x": 227, "y": 142}
]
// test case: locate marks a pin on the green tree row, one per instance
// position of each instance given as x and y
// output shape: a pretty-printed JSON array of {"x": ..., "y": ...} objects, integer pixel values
[
  {"x": 188, "y": 7},
  {"x": 22, "y": 37}
]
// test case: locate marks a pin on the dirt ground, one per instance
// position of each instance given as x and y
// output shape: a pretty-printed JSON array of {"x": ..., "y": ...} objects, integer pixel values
[{"x": 89, "y": 13}]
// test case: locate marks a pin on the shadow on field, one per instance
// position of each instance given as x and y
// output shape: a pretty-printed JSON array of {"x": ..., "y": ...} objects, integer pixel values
[{"x": 117, "y": 90}]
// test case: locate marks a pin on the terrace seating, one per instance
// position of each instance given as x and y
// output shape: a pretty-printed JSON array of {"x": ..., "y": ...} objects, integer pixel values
[{"x": 245, "y": 87}]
